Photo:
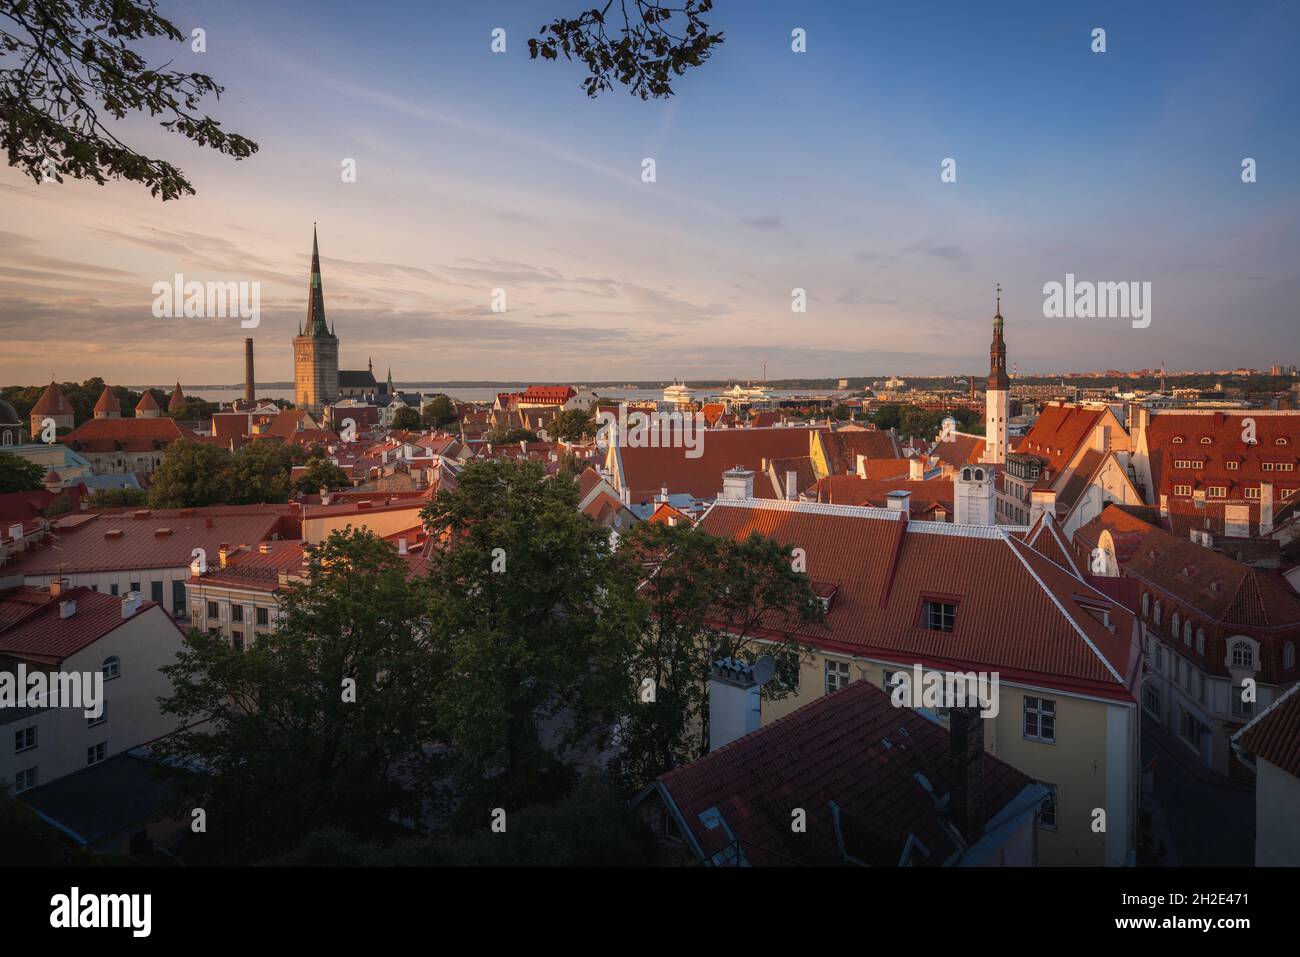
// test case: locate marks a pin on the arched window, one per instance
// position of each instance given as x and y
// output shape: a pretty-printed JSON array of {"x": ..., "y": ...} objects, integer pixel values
[
  {"x": 1177, "y": 626},
  {"x": 1288, "y": 655},
  {"x": 1187, "y": 632},
  {"x": 979, "y": 475},
  {"x": 112, "y": 668},
  {"x": 1241, "y": 657},
  {"x": 1156, "y": 616},
  {"x": 1200, "y": 641},
  {"x": 1146, "y": 604},
  {"x": 965, "y": 475}
]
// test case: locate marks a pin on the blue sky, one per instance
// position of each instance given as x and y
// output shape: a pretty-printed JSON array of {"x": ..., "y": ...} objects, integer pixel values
[{"x": 775, "y": 170}]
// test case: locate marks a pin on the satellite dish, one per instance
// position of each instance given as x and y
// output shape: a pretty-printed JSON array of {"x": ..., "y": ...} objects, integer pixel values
[{"x": 764, "y": 669}]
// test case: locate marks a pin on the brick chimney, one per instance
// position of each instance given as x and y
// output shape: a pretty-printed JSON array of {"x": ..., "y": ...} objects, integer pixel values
[
  {"x": 223, "y": 554},
  {"x": 58, "y": 586},
  {"x": 966, "y": 753}
]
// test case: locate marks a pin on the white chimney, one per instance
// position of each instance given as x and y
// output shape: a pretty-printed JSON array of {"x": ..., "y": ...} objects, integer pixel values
[
  {"x": 735, "y": 690},
  {"x": 401, "y": 545},
  {"x": 899, "y": 502},
  {"x": 16, "y": 532},
  {"x": 67, "y": 608},
  {"x": 1265, "y": 508},
  {"x": 916, "y": 470},
  {"x": 860, "y": 466},
  {"x": 738, "y": 482},
  {"x": 791, "y": 485}
]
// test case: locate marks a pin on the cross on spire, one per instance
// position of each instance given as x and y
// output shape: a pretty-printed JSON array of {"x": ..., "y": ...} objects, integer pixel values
[{"x": 999, "y": 305}]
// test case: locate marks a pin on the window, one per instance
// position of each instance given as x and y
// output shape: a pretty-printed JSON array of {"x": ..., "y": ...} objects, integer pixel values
[
  {"x": 1189, "y": 728},
  {"x": 1200, "y": 641},
  {"x": 837, "y": 675},
  {"x": 1280, "y": 440},
  {"x": 1252, "y": 492},
  {"x": 939, "y": 615},
  {"x": 1177, "y": 625},
  {"x": 1200, "y": 684},
  {"x": 93, "y": 722},
  {"x": 96, "y": 753},
  {"x": 1160, "y": 657},
  {"x": 156, "y": 592},
  {"x": 1241, "y": 656},
  {"x": 1177, "y": 440},
  {"x": 1156, "y": 616},
  {"x": 213, "y": 611},
  {"x": 1231, "y": 466},
  {"x": 1151, "y": 699},
  {"x": 178, "y": 598},
  {"x": 237, "y": 640},
  {"x": 112, "y": 668},
  {"x": 1217, "y": 491},
  {"x": 887, "y": 679},
  {"x": 1182, "y": 490},
  {"x": 1040, "y": 719},
  {"x": 1187, "y": 633},
  {"x": 1047, "y": 816},
  {"x": 263, "y": 616},
  {"x": 135, "y": 587},
  {"x": 236, "y": 612},
  {"x": 1146, "y": 604},
  {"x": 112, "y": 589},
  {"x": 1288, "y": 655},
  {"x": 24, "y": 739},
  {"x": 1206, "y": 440},
  {"x": 25, "y": 780}
]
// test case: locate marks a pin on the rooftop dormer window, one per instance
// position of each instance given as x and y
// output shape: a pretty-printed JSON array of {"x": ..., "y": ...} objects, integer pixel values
[
  {"x": 1206, "y": 440},
  {"x": 1177, "y": 440},
  {"x": 1280, "y": 440},
  {"x": 938, "y": 615}
]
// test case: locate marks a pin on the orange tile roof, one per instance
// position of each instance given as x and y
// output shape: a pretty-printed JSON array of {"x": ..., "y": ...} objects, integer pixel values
[
  {"x": 52, "y": 402},
  {"x": 1018, "y": 612},
  {"x": 1274, "y": 735},
  {"x": 851, "y": 490},
  {"x": 647, "y": 470},
  {"x": 1058, "y": 432},
  {"x": 46, "y": 637},
  {"x": 126, "y": 435}
]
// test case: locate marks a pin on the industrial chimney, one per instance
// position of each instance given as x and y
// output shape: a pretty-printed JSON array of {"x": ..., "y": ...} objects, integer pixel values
[{"x": 249, "y": 396}]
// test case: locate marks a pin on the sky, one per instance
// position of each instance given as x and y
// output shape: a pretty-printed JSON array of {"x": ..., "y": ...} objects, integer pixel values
[{"x": 775, "y": 171}]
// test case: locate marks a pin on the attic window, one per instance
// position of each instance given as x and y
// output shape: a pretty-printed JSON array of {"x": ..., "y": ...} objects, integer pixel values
[
  {"x": 1280, "y": 440},
  {"x": 1206, "y": 440},
  {"x": 1177, "y": 440},
  {"x": 938, "y": 615}
]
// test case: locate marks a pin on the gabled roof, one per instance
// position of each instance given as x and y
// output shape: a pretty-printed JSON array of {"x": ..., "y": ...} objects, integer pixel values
[
  {"x": 958, "y": 449},
  {"x": 1058, "y": 431},
  {"x": 843, "y": 447},
  {"x": 1017, "y": 612},
  {"x": 44, "y": 636},
  {"x": 852, "y": 748},
  {"x": 1274, "y": 734}
]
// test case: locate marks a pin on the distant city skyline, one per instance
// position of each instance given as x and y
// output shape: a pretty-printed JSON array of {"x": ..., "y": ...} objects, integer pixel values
[{"x": 775, "y": 171}]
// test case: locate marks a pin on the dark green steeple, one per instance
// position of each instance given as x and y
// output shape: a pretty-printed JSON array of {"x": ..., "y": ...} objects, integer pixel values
[{"x": 316, "y": 327}]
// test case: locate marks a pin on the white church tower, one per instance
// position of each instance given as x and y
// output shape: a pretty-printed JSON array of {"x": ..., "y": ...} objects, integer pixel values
[{"x": 997, "y": 396}]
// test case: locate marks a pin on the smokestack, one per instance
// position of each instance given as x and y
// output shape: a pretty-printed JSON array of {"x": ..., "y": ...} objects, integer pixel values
[
  {"x": 966, "y": 751},
  {"x": 248, "y": 371}
]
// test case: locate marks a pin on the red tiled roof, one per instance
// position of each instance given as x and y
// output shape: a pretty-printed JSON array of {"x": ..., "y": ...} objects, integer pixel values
[
  {"x": 52, "y": 402},
  {"x": 1057, "y": 433},
  {"x": 960, "y": 449},
  {"x": 147, "y": 403},
  {"x": 133, "y": 435},
  {"x": 1018, "y": 612},
  {"x": 163, "y": 538},
  {"x": 548, "y": 394},
  {"x": 844, "y": 447},
  {"x": 851, "y": 490},
  {"x": 853, "y": 748},
  {"x": 108, "y": 402},
  {"x": 1274, "y": 735},
  {"x": 177, "y": 398},
  {"x": 647, "y": 470},
  {"x": 46, "y": 637}
]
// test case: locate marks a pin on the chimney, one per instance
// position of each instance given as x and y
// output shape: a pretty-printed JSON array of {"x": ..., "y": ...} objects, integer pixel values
[
  {"x": 625, "y": 494},
  {"x": 67, "y": 608},
  {"x": 130, "y": 603},
  {"x": 16, "y": 532},
  {"x": 899, "y": 502},
  {"x": 966, "y": 753},
  {"x": 791, "y": 484},
  {"x": 916, "y": 470},
  {"x": 738, "y": 482},
  {"x": 58, "y": 586},
  {"x": 663, "y": 494},
  {"x": 734, "y": 702},
  {"x": 223, "y": 554},
  {"x": 1265, "y": 508},
  {"x": 249, "y": 390},
  {"x": 1041, "y": 500},
  {"x": 401, "y": 545},
  {"x": 860, "y": 466}
]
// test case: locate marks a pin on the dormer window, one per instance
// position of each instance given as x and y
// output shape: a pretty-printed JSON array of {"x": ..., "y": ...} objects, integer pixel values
[
  {"x": 1241, "y": 656},
  {"x": 1206, "y": 440},
  {"x": 1177, "y": 440},
  {"x": 938, "y": 615},
  {"x": 1280, "y": 440}
]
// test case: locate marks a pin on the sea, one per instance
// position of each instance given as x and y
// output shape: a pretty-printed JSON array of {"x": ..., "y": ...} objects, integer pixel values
[{"x": 478, "y": 393}]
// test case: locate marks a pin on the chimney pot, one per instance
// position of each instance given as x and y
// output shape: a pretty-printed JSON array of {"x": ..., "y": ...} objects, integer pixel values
[
  {"x": 58, "y": 586},
  {"x": 67, "y": 608},
  {"x": 223, "y": 554}
]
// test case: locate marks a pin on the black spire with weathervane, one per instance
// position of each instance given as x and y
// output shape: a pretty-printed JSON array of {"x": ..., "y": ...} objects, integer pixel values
[
  {"x": 316, "y": 327},
  {"x": 998, "y": 380}
]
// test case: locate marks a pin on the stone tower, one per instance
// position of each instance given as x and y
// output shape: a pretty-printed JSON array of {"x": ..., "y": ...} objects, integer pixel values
[
  {"x": 997, "y": 395},
  {"x": 315, "y": 349}
]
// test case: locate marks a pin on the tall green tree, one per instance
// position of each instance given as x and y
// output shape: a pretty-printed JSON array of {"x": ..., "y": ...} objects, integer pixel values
[
  {"x": 260, "y": 473},
  {"x": 705, "y": 598},
  {"x": 534, "y": 617},
  {"x": 573, "y": 425},
  {"x": 68, "y": 68},
  {"x": 19, "y": 475},
  {"x": 439, "y": 413},
  {"x": 321, "y": 473},
  {"x": 192, "y": 474},
  {"x": 319, "y": 724},
  {"x": 406, "y": 418}
]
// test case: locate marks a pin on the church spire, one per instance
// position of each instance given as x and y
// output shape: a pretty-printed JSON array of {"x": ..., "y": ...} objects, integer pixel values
[
  {"x": 998, "y": 351},
  {"x": 316, "y": 327}
]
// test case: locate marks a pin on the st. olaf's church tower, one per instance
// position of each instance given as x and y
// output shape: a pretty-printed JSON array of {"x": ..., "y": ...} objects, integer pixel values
[
  {"x": 997, "y": 395},
  {"x": 315, "y": 350}
]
